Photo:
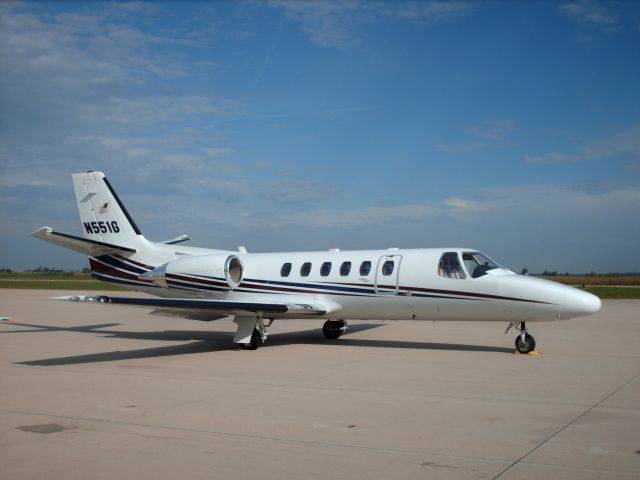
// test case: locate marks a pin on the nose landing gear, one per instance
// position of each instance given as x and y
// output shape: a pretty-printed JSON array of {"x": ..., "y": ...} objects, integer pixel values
[{"x": 525, "y": 343}]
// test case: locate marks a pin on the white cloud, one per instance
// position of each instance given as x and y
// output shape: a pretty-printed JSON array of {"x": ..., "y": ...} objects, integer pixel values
[
  {"x": 625, "y": 143},
  {"x": 421, "y": 11},
  {"x": 75, "y": 95},
  {"x": 353, "y": 217},
  {"x": 217, "y": 152},
  {"x": 551, "y": 158},
  {"x": 543, "y": 224},
  {"x": 462, "y": 148},
  {"x": 589, "y": 11},
  {"x": 463, "y": 205},
  {"x": 26, "y": 179},
  {"x": 338, "y": 23},
  {"x": 490, "y": 132},
  {"x": 328, "y": 24}
]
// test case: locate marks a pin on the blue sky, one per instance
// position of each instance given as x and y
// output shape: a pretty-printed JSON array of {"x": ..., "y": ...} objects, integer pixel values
[{"x": 509, "y": 127}]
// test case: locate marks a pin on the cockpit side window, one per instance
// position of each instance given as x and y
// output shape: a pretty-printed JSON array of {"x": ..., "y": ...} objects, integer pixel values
[
  {"x": 478, "y": 264},
  {"x": 449, "y": 266}
]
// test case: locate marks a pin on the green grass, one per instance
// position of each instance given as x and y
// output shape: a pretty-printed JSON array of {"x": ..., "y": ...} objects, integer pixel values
[
  {"x": 54, "y": 281},
  {"x": 615, "y": 292},
  {"x": 597, "y": 280}
]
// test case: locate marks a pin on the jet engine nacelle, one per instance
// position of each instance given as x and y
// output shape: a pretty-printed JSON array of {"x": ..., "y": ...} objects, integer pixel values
[{"x": 212, "y": 267}]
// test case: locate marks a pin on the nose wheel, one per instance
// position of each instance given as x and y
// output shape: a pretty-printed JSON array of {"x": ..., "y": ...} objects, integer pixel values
[{"x": 525, "y": 343}]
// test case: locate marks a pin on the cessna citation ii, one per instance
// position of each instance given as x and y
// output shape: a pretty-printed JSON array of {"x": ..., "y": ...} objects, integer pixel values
[{"x": 257, "y": 288}]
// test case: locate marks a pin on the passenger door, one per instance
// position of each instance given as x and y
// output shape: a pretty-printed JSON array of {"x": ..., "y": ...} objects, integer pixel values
[{"x": 387, "y": 272}]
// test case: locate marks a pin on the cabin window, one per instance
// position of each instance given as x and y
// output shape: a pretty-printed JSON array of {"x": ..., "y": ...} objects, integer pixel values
[
  {"x": 305, "y": 269},
  {"x": 345, "y": 268},
  {"x": 478, "y": 264},
  {"x": 387, "y": 268},
  {"x": 325, "y": 269},
  {"x": 285, "y": 270},
  {"x": 449, "y": 266},
  {"x": 365, "y": 268}
]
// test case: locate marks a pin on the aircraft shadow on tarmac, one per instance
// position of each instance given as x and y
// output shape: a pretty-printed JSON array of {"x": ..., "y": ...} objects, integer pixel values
[{"x": 211, "y": 341}]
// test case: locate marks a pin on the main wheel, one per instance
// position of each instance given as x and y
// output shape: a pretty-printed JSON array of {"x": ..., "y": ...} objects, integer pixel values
[
  {"x": 529, "y": 344},
  {"x": 333, "y": 330},
  {"x": 256, "y": 341}
]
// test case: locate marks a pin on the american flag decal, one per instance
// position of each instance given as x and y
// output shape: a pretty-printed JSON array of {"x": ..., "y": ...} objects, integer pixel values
[{"x": 103, "y": 208}]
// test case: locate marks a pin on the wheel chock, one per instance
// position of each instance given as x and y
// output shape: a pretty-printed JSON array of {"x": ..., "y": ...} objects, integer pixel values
[{"x": 534, "y": 353}]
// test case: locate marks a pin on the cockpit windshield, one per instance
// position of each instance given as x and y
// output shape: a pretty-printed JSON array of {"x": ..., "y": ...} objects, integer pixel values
[{"x": 478, "y": 264}]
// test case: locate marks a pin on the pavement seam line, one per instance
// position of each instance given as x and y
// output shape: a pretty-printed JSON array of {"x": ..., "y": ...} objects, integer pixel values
[{"x": 572, "y": 422}]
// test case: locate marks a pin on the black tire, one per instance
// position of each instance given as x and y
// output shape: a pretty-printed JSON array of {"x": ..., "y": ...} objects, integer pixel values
[
  {"x": 256, "y": 341},
  {"x": 332, "y": 330},
  {"x": 529, "y": 344}
]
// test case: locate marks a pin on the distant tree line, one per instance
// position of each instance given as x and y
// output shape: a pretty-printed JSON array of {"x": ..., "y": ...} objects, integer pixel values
[
  {"x": 555, "y": 273},
  {"x": 46, "y": 270},
  {"x": 547, "y": 273}
]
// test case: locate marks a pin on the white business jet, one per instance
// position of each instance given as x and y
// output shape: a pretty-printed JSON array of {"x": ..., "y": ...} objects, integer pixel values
[{"x": 257, "y": 288}]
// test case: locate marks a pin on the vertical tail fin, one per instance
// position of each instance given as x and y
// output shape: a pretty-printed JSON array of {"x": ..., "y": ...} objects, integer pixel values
[{"x": 102, "y": 215}]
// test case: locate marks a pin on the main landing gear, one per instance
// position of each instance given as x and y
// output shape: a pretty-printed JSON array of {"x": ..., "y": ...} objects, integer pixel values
[
  {"x": 334, "y": 329},
  {"x": 254, "y": 343},
  {"x": 525, "y": 343},
  {"x": 251, "y": 332}
]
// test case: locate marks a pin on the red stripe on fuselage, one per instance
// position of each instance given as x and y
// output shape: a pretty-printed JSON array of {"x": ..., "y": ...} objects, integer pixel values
[{"x": 98, "y": 266}]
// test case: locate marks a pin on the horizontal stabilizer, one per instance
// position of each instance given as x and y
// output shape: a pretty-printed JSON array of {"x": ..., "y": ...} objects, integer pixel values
[
  {"x": 79, "y": 244},
  {"x": 228, "y": 307},
  {"x": 178, "y": 239}
]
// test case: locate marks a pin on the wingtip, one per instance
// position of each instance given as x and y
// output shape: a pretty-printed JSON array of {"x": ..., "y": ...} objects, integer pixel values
[
  {"x": 82, "y": 298},
  {"x": 41, "y": 231},
  {"x": 68, "y": 298}
]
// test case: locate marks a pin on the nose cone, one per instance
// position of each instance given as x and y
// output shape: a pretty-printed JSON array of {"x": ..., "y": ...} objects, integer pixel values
[
  {"x": 552, "y": 300},
  {"x": 578, "y": 303},
  {"x": 590, "y": 303}
]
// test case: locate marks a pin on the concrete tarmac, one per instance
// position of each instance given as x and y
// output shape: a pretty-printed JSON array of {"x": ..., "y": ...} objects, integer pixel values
[{"x": 104, "y": 392}]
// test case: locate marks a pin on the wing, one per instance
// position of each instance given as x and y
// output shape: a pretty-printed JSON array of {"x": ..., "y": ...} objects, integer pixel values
[
  {"x": 205, "y": 309},
  {"x": 82, "y": 245}
]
